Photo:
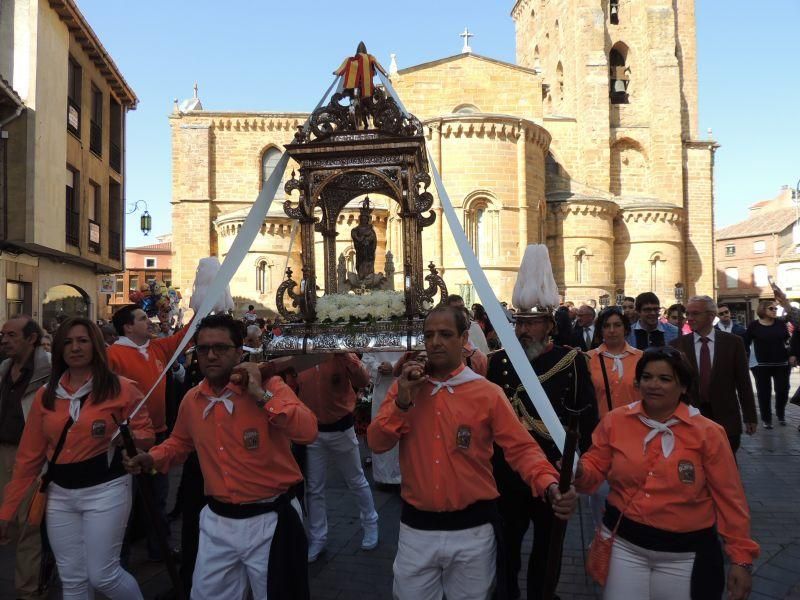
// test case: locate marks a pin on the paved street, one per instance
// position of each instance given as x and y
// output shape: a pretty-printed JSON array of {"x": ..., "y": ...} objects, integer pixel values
[{"x": 770, "y": 466}]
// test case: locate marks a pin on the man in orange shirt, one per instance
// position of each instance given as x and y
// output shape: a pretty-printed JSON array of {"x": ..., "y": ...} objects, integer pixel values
[
  {"x": 328, "y": 390},
  {"x": 135, "y": 356},
  {"x": 446, "y": 419},
  {"x": 241, "y": 427}
]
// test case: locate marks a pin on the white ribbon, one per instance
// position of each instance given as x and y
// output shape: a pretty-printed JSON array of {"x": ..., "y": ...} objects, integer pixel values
[
  {"x": 486, "y": 293},
  {"x": 617, "y": 358},
  {"x": 465, "y": 376},
  {"x": 74, "y": 398},
  {"x": 667, "y": 437},
  {"x": 233, "y": 259},
  {"x": 129, "y": 343},
  {"x": 225, "y": 399}
]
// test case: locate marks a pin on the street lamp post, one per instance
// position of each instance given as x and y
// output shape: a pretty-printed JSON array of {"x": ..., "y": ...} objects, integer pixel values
[
  {"x": 604, "y": 301},
  {"x": 145, "y": 221},
  {"x": 620, "y": 296}
]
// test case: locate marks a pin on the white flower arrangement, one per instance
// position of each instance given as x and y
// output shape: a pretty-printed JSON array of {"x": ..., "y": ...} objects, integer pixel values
[{"x": 378, "y": 305}]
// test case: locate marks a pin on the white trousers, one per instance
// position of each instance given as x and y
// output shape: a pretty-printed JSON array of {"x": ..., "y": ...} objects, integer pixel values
[
  {"x": 646, "y": 574},
  {"x": 342, "y": 447},
  {"x": 233, "y": 553},
  {"x": 459, "y": 564},
  {"x": 86, "y": 527}
]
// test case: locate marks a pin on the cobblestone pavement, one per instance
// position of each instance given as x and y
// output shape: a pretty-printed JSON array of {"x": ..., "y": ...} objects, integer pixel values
[{"x": 770, "y": 467}]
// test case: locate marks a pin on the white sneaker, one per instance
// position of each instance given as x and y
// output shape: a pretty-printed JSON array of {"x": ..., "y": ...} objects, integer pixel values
[
  {"x": 314, "y": 551},
  {"x": 370, "y": 539}
]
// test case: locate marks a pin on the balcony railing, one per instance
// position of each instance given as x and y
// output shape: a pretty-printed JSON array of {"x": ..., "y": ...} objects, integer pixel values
[
  {"x": 114, "y": 244},
  {"x": 96, "y": 138},
  {"x": 115, "y": 157},
  {"x": 73, "y": 117},
  {"x": 94, "y": 237},
  {"x": 73, "y": 227}
]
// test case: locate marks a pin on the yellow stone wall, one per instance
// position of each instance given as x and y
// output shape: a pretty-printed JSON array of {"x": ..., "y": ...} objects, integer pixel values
[{"x": 534, "y": 152}]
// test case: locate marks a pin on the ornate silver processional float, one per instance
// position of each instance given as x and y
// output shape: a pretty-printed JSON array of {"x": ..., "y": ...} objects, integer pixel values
[{"x": 361, "y": 143}]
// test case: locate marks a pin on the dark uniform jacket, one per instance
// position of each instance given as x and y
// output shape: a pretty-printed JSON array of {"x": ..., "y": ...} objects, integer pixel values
[{"x": 568, "y": 388}]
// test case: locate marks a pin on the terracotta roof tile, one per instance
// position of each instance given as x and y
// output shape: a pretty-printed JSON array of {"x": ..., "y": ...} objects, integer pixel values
[{"x": 759, "y": 223}]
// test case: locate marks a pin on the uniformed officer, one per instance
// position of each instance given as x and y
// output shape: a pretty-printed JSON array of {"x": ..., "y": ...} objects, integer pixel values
[{"x": 564, "y": 375}]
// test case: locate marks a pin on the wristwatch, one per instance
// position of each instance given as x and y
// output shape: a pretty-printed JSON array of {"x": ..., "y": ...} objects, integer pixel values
[{"x": 265, "y": 397}]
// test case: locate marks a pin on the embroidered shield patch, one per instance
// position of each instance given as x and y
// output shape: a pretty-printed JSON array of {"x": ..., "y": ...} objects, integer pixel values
[
  {"x": 251, "y": 439},
  {"x": 98, "y": 429},
  {"x": 463, "y": 437},
  {"x": 686, "y": 471}
]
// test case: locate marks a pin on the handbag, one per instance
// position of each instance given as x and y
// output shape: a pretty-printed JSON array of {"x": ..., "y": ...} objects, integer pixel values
[
  {"x": 598, "y": 560},
  {"x": 39, "y": 500},
  {"x": 605, "y": 382}
]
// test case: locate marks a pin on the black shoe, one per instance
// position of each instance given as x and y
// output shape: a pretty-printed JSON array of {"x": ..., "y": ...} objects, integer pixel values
[
  {"x": 767, "y": 425},
  {"x": 782, "y": 422}
]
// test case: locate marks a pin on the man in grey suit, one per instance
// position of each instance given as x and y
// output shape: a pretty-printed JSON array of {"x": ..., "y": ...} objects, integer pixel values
[{"x": 723, "y": 391}]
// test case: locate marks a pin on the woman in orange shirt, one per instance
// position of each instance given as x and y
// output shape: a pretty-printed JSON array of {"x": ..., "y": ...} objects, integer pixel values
[
  {"x": 674, "y": 487},
  {"x": 88, "y": 499},
  {"x": 619, "y": 359}
]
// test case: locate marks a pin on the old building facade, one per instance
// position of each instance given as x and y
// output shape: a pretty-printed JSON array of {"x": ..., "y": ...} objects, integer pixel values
[
  {"x": 61, "y": 160},
  {"x": 588, "y": 144}
]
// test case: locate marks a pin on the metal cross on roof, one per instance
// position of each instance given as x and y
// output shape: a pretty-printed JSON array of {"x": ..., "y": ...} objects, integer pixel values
[{"x": 466, "y": 35}]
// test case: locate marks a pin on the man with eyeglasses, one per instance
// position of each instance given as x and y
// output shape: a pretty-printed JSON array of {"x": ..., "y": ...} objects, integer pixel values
[
  {"x": 649, "y": 331},
  {"x": 726, "y": 322},
  {"x": 242, "y": 427},
  {"x": 724, "y": 392}
]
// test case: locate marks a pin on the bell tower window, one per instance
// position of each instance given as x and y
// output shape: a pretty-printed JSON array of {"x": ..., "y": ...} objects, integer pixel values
[
  {"x": 613, "y": 11},
  {"x": 620, "y": 74}
]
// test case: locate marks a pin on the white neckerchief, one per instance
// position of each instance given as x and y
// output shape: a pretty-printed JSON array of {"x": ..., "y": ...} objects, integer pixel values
[
  {"x": 225, "y": 399},
  {"x": 618, "y": 366},
  {"x": 126, "y": 341},
  {"x": 75, "y": 398},
  {"x": 667, "y": 437},
  {"x": 464, "y": 376}
]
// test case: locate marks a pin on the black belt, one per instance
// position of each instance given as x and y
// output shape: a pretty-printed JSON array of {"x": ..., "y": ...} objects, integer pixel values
[
  {"x": 251, "y": 509},
  {"x": 343, "y": 424},
  {"x": 87, "y": 473},
  {"x": 708, "y": 572}
]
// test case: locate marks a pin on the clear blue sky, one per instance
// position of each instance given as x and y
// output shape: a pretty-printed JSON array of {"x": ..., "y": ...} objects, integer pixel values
[{"x": 257, "y": 56}]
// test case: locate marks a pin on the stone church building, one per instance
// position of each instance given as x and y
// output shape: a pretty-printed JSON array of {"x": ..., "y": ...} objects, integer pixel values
[{"x": 588, "y": 143}]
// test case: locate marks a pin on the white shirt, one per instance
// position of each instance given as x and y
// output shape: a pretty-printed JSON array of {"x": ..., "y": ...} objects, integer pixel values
[
  {"x": 723, "y": 327},
  {"x": 698, "y": 345},
  {"x": 590, "y": 335}
]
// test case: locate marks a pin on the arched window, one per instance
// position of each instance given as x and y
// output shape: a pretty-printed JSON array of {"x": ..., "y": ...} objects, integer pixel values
[
  {"x": 560, "y": 81},
  {"x": 263, "y": 276},
  {"x": 581, "y": 266},
  {"x": 537, "y": 61},
  {"x": 656, "y": 271},
  {"x": 620, "y": 74},
  {"x": 613, "y": 11},
  {"x": 480, "y": 224},
  {"x": 269, "y": 161}
]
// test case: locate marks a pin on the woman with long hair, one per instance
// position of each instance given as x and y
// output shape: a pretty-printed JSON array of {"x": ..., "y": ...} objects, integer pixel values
[
  {"x": 88, "y": 497},
  {"x": 674, "y": 488},
  {"x": 769, "y": 360}
]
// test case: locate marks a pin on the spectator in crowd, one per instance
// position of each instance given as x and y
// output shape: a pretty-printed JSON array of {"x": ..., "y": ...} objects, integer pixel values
[
  {"x": 47, "y": 342},
  {"x": 648, "y": 331},
  {"x": 482, "y": 318},
  {"x": 250, "y": 316},
  {"x": 726, "y": 322},
  {"x": 476, "y": 336},
  {"x": 583, "y": 332},
  {"x": 88, "y": 497},
  {"x": 724, "y": 392},
  {"x": 676, "y": 315},
  {"x": 109, "y": 334},
  {"x": 769, "y": 361},
  {"x": 25, "y": 369},
  {"x": 612, "y": 366},
  {"x": 668, "y": 503},
  {"x": 629, "y": 308}
]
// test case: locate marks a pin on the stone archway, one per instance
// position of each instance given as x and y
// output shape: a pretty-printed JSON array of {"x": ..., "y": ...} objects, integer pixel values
[{"x": 65, "y": 299}]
